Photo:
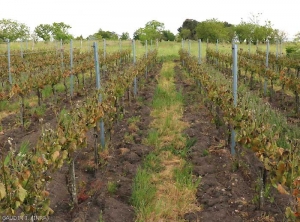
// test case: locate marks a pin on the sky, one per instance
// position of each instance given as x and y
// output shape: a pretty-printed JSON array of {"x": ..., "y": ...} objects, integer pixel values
[{"x": 88, "y": 16}]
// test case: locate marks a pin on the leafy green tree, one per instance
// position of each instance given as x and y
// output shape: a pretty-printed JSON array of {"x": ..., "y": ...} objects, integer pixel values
[
  {"x": 253, "y": 31},
  {"x": 262, "y": 33},
  {"x": 244, "y": 31},
  {"x": 13, "y": 30},
  {"x": 60, "y": 31},
  {"x": 230, "y": 30},
  {"x": 152, "y": 30},
  {"x": 107, "y": 35},
  {"x": 125, "y": 36},
  {"x": 185, "y": 33},
  {"x": 155, "y": 25},
  {"x": 168, "y": 35},
  {"x": 211, "y": 29},
  {"x": 95, "y": 36},
  {"x": 43, "y": 31},
  {"x": 188, "y": 24},
  {"x": 79, "y": 37},
  {"x": 280, "y": 35},
  {"x": 297, "y": 37},
  {"x": 137, "y": 34}
]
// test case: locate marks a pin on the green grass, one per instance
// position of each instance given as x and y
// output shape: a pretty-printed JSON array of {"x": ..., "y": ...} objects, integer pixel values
[
  {"x": 143, "y": 193},
  {"x": 170, "y": 178},
  {"x": 153, "y": 138},
  {"x": 163, "y": 98},
  {"x": 133, "y": 119},
  {"x": 184, "y": 177},
  {"x": 152, "y": 163},
  {"x": 39, "y": 110},
  {"x": 101, "y": 217},
  {"x": 112, "y": 187},
  {"x": 47, "y": 92},
  {"x": 6, "y": 105},
  {"x": 183, "y": 153},
  {"x": 128, "y": 138}
]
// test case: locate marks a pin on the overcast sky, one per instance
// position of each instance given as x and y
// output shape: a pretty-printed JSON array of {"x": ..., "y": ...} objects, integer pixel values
[{"x": 88, "y": 16}]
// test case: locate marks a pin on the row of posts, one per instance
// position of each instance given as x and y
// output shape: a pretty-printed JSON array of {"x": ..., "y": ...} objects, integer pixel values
[
  {"x": 98, "y": 76},
  {"x": 278, "y": 46},
  {"x": 60, "y": 49},
  {"x": 97, "y": 69},
  {"x": 234, "y": 74}
]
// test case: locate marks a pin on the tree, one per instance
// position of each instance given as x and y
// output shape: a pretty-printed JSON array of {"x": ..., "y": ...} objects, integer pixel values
[
  {"x": 95, "y": 36},
  {"x": 253, "y": 31},
  {"x": 230, "y": 30},
  {"x": 185, "y": 33},
  {"x": 168, "y": 35},
  {"x": 155, "y": 25},
  {"x": 101, "y": 34},
  {"x": 137, "y": 33},
  {"x": 13, "y": 30},
  {"x": 60, "y": 31},
  {"x": 265, "y": 32},
  {"x": 79, "y": 37},
  {"x": 212, "y": 29},
  {"x": 152, "y": 30},
  {"x": 244, "y": 31},
  {"x": 43, "y": 31},
  {"x": 107, "y": 34},
  {"x": 188, "y": 24},
  {"x": 282, "y": 36},
  {"x": 297, "y": 37},
  {"x": 124, "y": 36}
]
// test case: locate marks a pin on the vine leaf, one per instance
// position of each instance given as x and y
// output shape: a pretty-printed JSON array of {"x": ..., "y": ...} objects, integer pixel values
[
  {"x": 281, "y": 189},
  {"x": 2, "y": 191},
  {"x": 7, "y": 159},
  {"x": 55, "y": 155},
  {"x": 21, "y": 193}
]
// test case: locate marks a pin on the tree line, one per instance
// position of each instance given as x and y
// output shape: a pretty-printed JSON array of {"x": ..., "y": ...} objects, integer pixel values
[
  {"x": 245, "y": 31},
  {"x": 210, "y": 29},
  {"x": 13, "y": 30}
]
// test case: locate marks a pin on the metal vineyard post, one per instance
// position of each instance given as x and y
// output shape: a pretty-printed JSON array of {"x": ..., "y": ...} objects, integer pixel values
[
  {"x": 134, "y": 61},
  {"x": 249, "y": 49},
  {"x": 120, "y": 50},
  {"x": 234, "y": 73},
  {"x": 61, "y": 55},
  {"x": 21, "y": 43},
  {"x": 267, "y": 65},
  {"x": 98, "y": 86},
  {"x": 199, "y": 51},
  {"x": 8, "y": 60},
  {"x": 182, "y": 46},
  {"x": 146, "y": 54},
  {"x": 71, "y": 69}
]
